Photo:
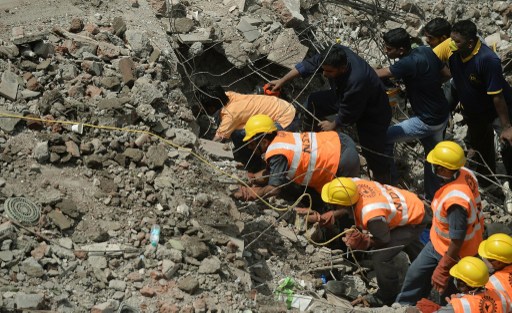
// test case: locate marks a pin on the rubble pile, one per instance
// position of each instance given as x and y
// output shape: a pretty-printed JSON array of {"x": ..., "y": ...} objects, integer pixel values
[{"x": 97, "y": 130}]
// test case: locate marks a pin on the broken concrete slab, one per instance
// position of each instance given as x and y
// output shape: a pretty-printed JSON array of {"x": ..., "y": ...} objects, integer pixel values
[
  {"x": 287, "y": 49},
  {"x": 61, "y": 221},
  {"x": 119, "y": 26},
  {"x": 126, "y": 66},
  {"x": 29, "y": 38},
  {"x": 180, "y": 25},
  {"x": 194, "y": 37},
  {"x": 9, "y": 86},
  {"x": 250, "y": 32},
  {"x": 215, "y": 149},
  {"x": 8, "y": 124}
]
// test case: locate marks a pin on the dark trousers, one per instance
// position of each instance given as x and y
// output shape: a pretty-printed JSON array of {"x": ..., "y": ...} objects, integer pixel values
[
  {"x": 388, "y": 278},
  {"x": 372, "y": 136},
  {"x": 481, "y": 139}
]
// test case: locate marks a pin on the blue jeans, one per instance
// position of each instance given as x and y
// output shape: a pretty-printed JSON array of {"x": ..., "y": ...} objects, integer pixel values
[
  {"x": 418, "y": 280},
  {"x": 429, "y": 136}
]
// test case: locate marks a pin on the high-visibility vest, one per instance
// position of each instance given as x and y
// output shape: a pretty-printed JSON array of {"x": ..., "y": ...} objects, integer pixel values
[
  {"x": 397, "y": 206},
  {"x": 501, "y": 281},
  {"x": 313, "y": 158},
  {"x": 462, "y": 191},
  {"x": 488, "y": 301}
]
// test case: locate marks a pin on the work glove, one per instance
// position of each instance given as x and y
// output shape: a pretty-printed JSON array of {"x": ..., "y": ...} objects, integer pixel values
[
  {"x": 324, "y": 220},
  {"x": 246, "y": 193},
  {"x": 441, "y": 274},
  {"x": 356, "y": 240},
  {"x": 427, "y": 306}
]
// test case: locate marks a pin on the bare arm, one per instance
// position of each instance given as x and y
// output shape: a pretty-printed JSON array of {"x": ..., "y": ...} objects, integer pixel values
[
  {"x": 383, "y": 72},
  {"x": 503, "y": 115},
  {"x": 278, "y": 83}
]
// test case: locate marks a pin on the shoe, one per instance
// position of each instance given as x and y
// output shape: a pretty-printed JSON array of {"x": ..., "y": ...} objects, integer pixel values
[{"x": 508, "y": 197}]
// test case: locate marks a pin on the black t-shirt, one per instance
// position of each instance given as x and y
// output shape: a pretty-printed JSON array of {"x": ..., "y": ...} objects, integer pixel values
[{"x": 421, "y": 74}]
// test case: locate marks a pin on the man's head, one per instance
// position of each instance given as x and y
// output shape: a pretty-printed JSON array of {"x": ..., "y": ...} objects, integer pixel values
[
  {"x": 397, "y": 43},
  {"x": 437, "y": 31},
  {"x": 260, "y": 130},
  {"x": 212, "y": 98},
  {"x": 497, "y": 249},
  {"x": 470, "y": 273},
  {"x": 464, "y": 37},
  {"x": 341, "y": 191},
  {"x": 335, "y": 62},
  {"x": 446, "y": 158}
]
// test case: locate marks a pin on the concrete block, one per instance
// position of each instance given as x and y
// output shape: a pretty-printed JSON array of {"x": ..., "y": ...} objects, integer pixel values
[
  {"x": 194, "y": 37},
  {"x": 287, "y": 49},
  {"x": 215, "y": 149},
  {"x": 9, "y": 86},
  {"x": 250, "y": 32},
  {"x": 126, "y": 66}
]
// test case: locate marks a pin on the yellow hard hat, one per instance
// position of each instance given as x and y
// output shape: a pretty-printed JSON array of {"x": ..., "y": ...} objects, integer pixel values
[
  {"x": 497, "y": 247},
  {"x": 341, "y": 190},
  {"x": 447, "y": 154},
  {"x": 472, "y": 271},
  {"x": 258, "y": 124}
]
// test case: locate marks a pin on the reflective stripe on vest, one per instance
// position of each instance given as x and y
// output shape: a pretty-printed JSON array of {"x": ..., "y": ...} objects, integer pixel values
[
  {"x": 295, "y": 147},
  {"x": 463, "y": 191},
  {"x": 313, "y": 158},
  {"x": 496, "y": 283},
  {"x": 466, "y": 307},
  {"x": 388, "y": 202}
]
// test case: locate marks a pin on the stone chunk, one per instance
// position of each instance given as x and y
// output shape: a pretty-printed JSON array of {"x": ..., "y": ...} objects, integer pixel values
[
  {"x": 9, "y": 86},
  {"x": 250, "y": 32},
  {"x": 42, "y": 152},
  {"x": 139, "y": 43},
  {"x": 61, "y": 221},
  {"x": 76, "y": 25},
  {"x": 28, "y": 301},
  {"x": 32, "y": 268},
  {"x": 181, "y": 25},
  {"x": 126, "y": 66},
  {"x": 215, "y": 149},
  {"x": 188, "y": 284},
  {"x": 209, "y": 266},
  {"x": 119, "y": 26},
  {"x": 8, "y": 124},
  {"x": 196, "y": 249},
  {"x": 117, "y": 285},
  {"x": 287, "y": 49},
  {"x": 28, "y": 38},
  {"x": 156, "y": 156}
]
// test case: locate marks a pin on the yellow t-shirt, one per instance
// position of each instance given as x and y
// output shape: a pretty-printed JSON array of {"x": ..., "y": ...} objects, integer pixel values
[
  {"x": 241, "y": 107},
  {"x": 443, "y": 50}
]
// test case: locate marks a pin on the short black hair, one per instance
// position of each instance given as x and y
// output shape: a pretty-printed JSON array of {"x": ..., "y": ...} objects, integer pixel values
[
  {"x": 466, "y": 29},
  {"x": 212, "y": 96},
  {"x": 438, "y": 27},
  {"x": 335, "y": 56},
  {"x": 398, "y": 38}
]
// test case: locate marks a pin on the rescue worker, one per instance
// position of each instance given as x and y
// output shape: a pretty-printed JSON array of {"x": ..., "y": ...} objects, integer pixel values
[
  {"x": 497, "y": 251},
  {"x": 307, "y": 159},
  {"x": 420, "y": 70},
  {"x": 234, "y": 109},
  {"x": 470, "y": 277},
  {"x": 486, "y": 99},
  {"x": 457, "y": 225},
  {"x": 356, "y": 96},
  {"x": 436, "y": 31},
  {"x": 393, "y": 216}
]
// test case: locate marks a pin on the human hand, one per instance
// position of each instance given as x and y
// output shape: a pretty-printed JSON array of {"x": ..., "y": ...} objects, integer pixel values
[
  {"x": 356, "y": 240},
  {"x": 246, "y": 193},
  {"x": 276, "y": 84},
  {"x": 506, "y": 135},
  {"x": 327, "y": 125},
  {"x": 441, "y": 274}
]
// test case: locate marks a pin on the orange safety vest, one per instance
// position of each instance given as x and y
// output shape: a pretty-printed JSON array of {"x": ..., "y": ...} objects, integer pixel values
[
  {"x": 501, "y": 281},
  {"x": 488, "y": 301},
  {"x": 462, "y": 191},
  {"x": 399, "y": 207},
  {"x": 313, "y": 158}
]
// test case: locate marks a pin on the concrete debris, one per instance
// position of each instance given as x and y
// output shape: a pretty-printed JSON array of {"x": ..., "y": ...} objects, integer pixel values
[
  {"x": 287, "y": 49},
  {"x": 9, "y": 86}
]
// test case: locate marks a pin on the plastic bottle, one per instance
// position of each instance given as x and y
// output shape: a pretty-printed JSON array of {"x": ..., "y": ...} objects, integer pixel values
[{"x": 154, "y": 237}]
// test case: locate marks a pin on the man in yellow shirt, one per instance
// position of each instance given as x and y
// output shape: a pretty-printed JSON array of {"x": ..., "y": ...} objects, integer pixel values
[{"x": 234, "y": 109}]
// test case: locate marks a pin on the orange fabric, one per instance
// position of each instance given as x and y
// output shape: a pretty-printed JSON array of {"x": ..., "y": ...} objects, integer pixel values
[
  {"x": 241, "y": 107},
  {"x": 501, "y": 281},
  {"x": 462, "y": 191},
  {"x": 487, "y": 301},
  {"x": 399, "y": 207},
  {"x": 313, "y": 158}
]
